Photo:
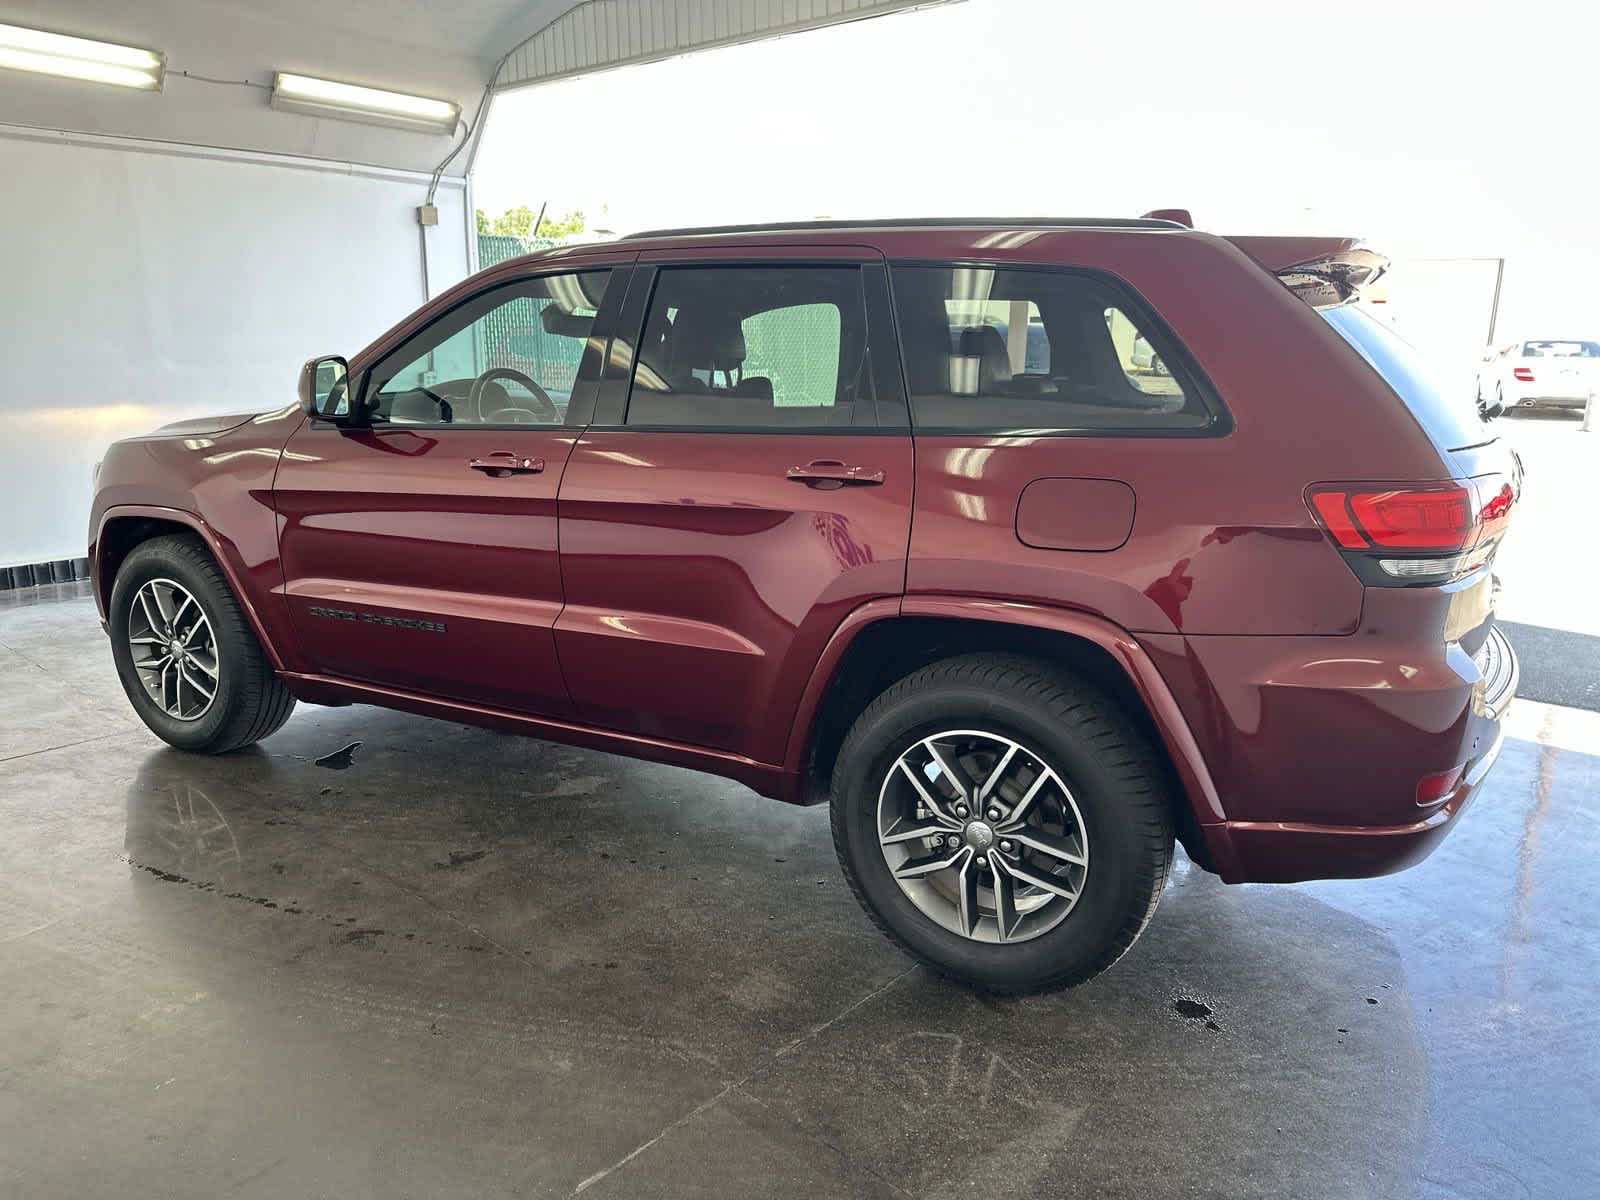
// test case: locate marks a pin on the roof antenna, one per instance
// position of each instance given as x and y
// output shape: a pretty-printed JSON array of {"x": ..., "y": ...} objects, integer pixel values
[
  {"x": 538, "y": 222},
  {"x": 1180, "y": 215}
]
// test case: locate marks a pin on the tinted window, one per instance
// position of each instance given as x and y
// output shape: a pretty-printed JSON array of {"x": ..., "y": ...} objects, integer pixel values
[
  {"x": 510, "y": 356},
  {"x": 1030, "y": 356},
  {"x": 1138, "y": 358},
  {"x": 1451, "y": 420},
  {"x": 753, "y": 348},
  {"x": 1008, "y": 348}
]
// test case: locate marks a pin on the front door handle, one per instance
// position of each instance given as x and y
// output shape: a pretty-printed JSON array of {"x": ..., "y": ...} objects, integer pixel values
[
  {"x": 502, "y": 463},
  {"x": 831, "y": 472}
]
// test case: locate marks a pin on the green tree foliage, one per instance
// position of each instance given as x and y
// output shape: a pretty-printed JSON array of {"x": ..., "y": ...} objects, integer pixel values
[{"x": 518, "y": 222}]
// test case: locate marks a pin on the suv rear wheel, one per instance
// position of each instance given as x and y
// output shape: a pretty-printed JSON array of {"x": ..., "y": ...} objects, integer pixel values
[
  {"x": 1003, "y": 821},
  {"x": 187, "y": 658}
]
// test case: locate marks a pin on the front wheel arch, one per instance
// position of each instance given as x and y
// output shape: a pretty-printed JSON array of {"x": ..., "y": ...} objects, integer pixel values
[
  {"x": 125, "y": 528},
  {"x": 119, "y": 537}
]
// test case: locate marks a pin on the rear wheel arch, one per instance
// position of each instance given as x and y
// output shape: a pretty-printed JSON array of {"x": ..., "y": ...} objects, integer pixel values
[
  {"x": 889, "y": 648},
  {"x": 1003, "y": 821}
]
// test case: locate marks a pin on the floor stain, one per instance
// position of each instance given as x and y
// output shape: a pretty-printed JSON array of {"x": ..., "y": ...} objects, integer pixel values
[
  {"x": 340, "y": 760},
  {"x": 1195, "y": 1010},
  {"x": 459, "y": 858}
]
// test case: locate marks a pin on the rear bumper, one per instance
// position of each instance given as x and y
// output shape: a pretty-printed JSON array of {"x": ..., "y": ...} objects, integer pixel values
[
  {"x": 1283, "y": 852},
  {"x": 1318, "y": 775}
]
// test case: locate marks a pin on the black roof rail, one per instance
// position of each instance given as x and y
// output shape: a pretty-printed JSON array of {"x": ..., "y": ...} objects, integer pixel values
[{"x": 918, "y": 223}]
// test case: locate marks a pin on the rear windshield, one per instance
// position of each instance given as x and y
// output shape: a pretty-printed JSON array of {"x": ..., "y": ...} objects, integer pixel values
[
  {"x": 1560, "y": 350},
  {"x": 1451, "y": 420}
]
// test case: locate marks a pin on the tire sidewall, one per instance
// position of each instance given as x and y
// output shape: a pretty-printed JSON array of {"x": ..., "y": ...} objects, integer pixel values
[
  {"x": 1118, "y": 879},
  {"x": 159, "y": 562}
]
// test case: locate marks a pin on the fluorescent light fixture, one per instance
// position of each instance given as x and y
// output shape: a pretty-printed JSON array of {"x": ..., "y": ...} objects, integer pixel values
[
  {"x": 350, "y": 102},
  {"x": 23, "y": 49}
]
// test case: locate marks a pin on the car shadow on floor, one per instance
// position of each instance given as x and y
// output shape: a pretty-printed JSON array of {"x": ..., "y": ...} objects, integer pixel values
[{"x": 471, "y": 915}]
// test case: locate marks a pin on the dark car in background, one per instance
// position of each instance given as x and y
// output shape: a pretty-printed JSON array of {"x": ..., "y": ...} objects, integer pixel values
[{"x": 900, "y": 517}]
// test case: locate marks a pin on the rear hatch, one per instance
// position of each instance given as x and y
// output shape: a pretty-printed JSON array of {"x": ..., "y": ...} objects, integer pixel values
[{"x": 1441, "y": 532}]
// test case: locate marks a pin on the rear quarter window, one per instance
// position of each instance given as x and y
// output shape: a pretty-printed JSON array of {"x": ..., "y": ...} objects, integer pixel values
[
  {"x": 1451, "y": 420},
  {"x": 1001, "y": 349}
]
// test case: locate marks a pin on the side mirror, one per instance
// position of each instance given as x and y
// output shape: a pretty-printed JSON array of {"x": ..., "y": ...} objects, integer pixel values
[{"x": 324, "y": 388}]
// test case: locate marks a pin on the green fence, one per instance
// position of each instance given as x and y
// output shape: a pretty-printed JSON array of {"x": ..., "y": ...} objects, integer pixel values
[
  {"x": 496, "y": 248},
  {"x": 513, "y": 336}
]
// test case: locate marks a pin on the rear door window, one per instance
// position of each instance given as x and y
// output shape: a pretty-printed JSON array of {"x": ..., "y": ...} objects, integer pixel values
[
  {"x": 752, "y": 348},
  {"x": 1016, "y": 349},
  {"x": 1451, "y": 420},
  {"x": 797, "y": 348}
]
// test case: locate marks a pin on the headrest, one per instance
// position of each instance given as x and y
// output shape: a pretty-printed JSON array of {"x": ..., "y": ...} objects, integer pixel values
[
  {"x": 754, "y": 387},
  {"x": 705, "y": 337},
  {"x": 982, "y": 341}
]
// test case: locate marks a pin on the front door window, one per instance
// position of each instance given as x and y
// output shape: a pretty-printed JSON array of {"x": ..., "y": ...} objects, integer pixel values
[{"x": 509, "y": 356}]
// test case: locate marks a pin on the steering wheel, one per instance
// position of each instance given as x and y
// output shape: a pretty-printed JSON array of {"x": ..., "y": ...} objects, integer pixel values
[{"x": 551, "y": 414}]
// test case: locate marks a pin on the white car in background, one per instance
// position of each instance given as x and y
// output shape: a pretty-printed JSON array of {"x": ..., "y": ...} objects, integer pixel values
[{"x": 1558, "y": 373}]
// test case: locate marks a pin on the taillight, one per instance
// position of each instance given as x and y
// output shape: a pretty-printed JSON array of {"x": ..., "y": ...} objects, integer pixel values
[
  {"x": 1397, "y": 518},
  {"x": 1415, "y": 533},
  {"x": 1522, "y": 374},
  {"x": 1402, "y": 518}
]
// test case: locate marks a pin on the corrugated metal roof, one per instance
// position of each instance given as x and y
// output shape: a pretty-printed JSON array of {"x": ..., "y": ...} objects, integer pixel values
[{"x": 598, "y": 34}]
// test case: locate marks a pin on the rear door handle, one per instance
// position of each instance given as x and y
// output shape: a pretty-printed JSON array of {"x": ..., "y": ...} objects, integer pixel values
[
  {"x": 831, "y": 472},
  {"x": 504, "y": 462}
]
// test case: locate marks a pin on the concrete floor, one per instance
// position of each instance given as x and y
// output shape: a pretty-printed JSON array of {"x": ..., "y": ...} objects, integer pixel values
[{"x": 474, "y": 965}]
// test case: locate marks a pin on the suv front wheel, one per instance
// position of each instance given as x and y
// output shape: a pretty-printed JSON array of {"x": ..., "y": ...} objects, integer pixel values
[
  {"x": 1003, "y": 821},
  {"x": 187, "y": 658}
]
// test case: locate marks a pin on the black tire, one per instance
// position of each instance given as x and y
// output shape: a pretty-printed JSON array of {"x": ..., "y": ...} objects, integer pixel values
[
  {"x": 251, "y": 702},
  {"x": 1116, "y": 778}
]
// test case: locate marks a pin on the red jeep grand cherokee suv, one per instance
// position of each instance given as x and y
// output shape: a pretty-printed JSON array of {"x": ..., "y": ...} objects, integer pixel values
[{"x": 1033, "y": 545}]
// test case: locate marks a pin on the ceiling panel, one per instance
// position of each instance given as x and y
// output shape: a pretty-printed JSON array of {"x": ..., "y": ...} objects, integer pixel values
[
  {"x": 221, "y": 56},
  {"x": 598, "y": 34}
]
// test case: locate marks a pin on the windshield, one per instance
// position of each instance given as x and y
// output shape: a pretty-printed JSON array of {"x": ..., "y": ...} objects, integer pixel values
[{"x": 1452, "y": 422}]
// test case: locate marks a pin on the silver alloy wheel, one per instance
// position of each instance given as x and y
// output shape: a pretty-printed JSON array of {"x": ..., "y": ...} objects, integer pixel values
[
  {"x": 983, "y": 836},
  {"x": 174, "y": 649}
]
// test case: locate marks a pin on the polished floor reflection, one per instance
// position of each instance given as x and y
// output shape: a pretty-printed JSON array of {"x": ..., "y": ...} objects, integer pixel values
[{"x": 474, "y": 965}]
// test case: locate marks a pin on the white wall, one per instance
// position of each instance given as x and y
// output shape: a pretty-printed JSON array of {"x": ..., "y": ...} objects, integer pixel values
[{"x": 147, "y": 282}]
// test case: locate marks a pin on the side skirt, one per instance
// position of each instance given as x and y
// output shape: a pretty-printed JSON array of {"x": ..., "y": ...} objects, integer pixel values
[{"x": 766, "y": 779}]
